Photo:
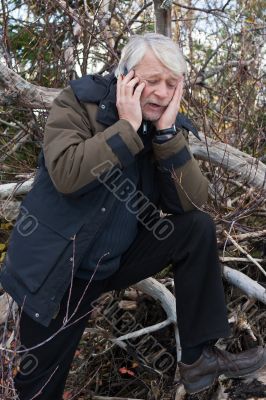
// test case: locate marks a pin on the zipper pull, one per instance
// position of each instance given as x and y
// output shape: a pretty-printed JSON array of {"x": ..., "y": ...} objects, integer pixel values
[{"x": 144, "y": 128}]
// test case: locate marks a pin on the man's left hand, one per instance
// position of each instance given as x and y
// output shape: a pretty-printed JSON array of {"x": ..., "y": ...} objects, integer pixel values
[{"x": 168, "y": 117}]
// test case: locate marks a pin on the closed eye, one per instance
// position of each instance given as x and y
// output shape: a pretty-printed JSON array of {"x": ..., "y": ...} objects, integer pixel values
[
  {"x": 172, "y": 84},
  {"x": 152, "y": 82}
]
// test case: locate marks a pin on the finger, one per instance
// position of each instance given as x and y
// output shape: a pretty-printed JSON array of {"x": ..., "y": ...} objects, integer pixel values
[
  {"x": 128, "y": 88},
  {"x": 126, "y": 78},
  {"x": 180, "y": 93},
  {"x": 133, "y": 82},
  {"x": 177, "y": 94},
  {"x": 130, "y": 85},
  {"x": 173, "y": 106},
  {"x": 179, "y": 88},
  {"x": 139, "y": 90}
]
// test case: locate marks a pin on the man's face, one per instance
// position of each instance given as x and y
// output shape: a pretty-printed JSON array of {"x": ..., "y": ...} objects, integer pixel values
[{"x": 160, "y": 84}]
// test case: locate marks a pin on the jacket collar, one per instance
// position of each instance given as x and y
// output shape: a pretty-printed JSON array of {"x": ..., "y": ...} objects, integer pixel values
[{"x": 100, "y": 90}]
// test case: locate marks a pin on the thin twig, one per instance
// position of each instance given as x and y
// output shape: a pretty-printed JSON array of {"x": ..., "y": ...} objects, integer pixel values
[
  {"x": 240, "y": 248},
  {"x": 239, "y": 259},
  {"x": 205, "y": 10}
]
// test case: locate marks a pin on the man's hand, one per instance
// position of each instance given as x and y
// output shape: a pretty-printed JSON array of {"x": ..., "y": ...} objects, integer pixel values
[
  {"x": 128, "y": 99},
  {"x": 168, "y": 117}
]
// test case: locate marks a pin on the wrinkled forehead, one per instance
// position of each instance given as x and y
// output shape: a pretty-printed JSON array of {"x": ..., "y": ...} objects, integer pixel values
[{"x": 151, "y": 66}]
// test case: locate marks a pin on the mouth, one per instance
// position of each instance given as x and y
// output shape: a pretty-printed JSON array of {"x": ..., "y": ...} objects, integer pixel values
[{"x": 155, "y": 106}]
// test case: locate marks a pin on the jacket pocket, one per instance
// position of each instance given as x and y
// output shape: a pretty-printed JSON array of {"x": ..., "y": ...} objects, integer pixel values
[{"x": 33, "y": 251}]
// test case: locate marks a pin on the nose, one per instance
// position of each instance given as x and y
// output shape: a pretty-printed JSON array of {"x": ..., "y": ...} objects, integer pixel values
[{"x": 161, "y": 90}]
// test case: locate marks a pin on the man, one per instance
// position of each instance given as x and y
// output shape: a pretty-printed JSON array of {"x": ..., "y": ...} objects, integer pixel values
[{"x": 113, "y": 156}]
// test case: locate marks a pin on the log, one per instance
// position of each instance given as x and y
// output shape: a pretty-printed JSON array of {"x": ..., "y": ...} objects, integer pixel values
[
  {"x": 6, "y": 305},
  {"x": 247, "y": 168},
  {"x": 250, "y": 287},
  {"x": 20, "y": 92},
  {"x": 15, "y": 189},
  {"x": 157, "y": 291}
]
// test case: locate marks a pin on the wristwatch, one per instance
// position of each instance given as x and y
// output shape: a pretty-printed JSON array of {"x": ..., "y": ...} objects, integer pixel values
[
  {"x": 167, "y": 131},
  {"x": 166, "y": 134}
]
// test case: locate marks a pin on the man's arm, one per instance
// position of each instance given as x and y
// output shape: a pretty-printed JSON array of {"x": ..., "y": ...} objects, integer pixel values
[
  {"x": 71, "y": 151},
  {"x": 182, "y": 185}
]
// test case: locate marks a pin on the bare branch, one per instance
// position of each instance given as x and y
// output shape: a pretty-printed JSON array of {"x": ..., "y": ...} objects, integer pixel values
[
  {"x": 205, "y": 10},
  {"x": 239, "y": 259},
  {"x": 240, "y": 248},
  {"x": 208, "y": 74}
]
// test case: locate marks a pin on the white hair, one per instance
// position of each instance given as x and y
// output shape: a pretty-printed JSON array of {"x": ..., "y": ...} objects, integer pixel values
[{"x": 167, "y": 52}]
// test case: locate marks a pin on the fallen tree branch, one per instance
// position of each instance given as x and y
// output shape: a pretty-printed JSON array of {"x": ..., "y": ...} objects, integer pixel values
[
  {"x": 7, "y": 304},
  {"x": 249, "y": 235},
  {"x": 250, "y": 287},
  {"x": 240, "y": 248},
  {"x": 15, "y": 189},
  {"x": 20, "y": 92},
  {"x": 159, "y": 292},
  {"x": 239, "y": 259},
  {"x": 144, "y": 331},
  {"x": 247, "y": 168}
]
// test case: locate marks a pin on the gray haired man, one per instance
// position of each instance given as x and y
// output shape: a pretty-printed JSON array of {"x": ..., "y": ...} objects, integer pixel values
[{"x": 114, "y": 156}]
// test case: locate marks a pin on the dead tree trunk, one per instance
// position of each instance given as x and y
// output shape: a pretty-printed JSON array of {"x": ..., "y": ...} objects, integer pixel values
[{"x": 162, "y": 18}]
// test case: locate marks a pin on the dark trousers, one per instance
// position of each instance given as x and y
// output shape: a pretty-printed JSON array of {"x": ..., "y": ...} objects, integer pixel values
[{"x": 201, "y": 311}]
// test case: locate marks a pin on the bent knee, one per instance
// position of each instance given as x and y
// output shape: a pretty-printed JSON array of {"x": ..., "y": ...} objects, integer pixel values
[{"x": 203, "y": 222}]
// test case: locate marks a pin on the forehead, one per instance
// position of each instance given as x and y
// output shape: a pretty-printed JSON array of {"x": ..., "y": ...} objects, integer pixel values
[{"x": 150, "y": 65}]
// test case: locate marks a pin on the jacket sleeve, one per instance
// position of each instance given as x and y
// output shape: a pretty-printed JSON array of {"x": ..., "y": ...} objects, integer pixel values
[
  {"x": 72, "y": 154},
  {"x": 182, "y": 185}
]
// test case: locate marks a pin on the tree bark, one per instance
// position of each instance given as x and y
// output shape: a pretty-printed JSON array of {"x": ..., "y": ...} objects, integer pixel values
[
  {"x": 15, "y": 90},
  {"x": 248, "y": 169},
  {"x": 162, "y": 19}
]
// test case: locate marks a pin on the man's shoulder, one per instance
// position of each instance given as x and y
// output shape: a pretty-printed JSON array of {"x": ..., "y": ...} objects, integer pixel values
[
  {"x": 92, "y": 88},
  {"x": 93, "y": 97}
]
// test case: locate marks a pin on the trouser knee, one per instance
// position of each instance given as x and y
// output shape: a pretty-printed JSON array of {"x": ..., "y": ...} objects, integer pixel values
[
  {"x": 198, "y": 223},
  {"x": 203, "y": 223}
]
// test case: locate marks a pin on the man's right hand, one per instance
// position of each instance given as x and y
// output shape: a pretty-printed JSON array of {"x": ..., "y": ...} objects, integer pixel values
[{"x": 128, "y": 99}]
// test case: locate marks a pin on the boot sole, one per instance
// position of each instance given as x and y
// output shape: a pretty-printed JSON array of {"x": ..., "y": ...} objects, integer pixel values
[{"x": 208, "y": 381}]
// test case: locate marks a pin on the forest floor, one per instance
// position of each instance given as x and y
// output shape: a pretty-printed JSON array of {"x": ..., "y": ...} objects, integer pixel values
[{"x": 101, "y": 368}]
